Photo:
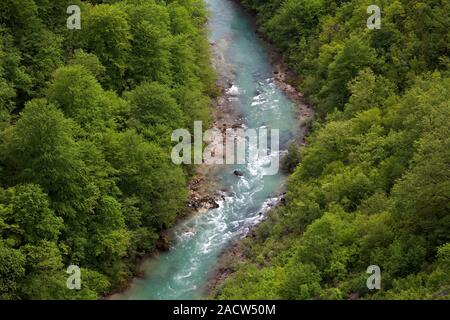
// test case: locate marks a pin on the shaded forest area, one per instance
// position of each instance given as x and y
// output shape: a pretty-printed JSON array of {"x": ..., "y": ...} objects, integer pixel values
[
  {"x": 372, "y": 186},
  {"x": 86, "y": 118}
]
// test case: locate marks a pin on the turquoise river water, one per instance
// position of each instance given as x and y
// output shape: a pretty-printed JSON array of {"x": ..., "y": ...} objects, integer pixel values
[{"x": 183, "y": 271}]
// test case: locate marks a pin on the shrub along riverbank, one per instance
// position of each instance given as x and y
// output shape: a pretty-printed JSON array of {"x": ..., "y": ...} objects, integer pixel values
[
  {"x": 373, "y": 183},
  {"x": 85, "y": 123}
]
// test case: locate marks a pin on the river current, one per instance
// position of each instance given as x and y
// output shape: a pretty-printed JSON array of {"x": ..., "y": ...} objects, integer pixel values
[{"x": 183, "y": 271}]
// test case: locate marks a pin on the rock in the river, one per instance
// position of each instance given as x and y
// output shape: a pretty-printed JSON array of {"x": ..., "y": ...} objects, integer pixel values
[
  {"x": 196, "y": 203},
  {"x": 210, "y": 203},
  {"x": 237, "y": 125},
  {"x": 238, "y": 173}
]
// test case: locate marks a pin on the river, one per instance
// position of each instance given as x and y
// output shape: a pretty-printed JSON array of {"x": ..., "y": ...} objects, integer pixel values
[{"x": 183, "y": 271}]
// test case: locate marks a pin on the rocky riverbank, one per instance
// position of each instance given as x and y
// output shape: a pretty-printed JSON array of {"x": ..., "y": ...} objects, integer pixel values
[
  {"x": 204, "y": 192},
  {"x": 288, "y": 82}
]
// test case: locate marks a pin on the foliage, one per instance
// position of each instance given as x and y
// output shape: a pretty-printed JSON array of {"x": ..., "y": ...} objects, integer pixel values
[
  {"x": 372, "y": 186},
  {"x": 85, "y": 123}
]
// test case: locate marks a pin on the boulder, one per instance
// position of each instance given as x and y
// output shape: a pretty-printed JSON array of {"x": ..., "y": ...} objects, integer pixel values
[{"x": 238, "y": 173}]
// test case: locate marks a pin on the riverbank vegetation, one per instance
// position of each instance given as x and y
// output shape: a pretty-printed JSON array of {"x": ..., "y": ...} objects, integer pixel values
[
  {"x": 85, "y": 123},
  {"x": 373, "y": 185}
]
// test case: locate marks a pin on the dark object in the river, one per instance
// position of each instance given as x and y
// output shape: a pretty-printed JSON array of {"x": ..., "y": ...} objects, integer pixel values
[
  {"x": 211, "y": 202},
  {"x": 238, "y": 173},
  {"x": 208, "y": 202},
  {"x": 237, "y": 125}
]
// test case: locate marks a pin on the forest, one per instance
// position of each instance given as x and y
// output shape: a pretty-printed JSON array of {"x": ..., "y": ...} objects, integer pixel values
[
  {"x": 85, "y": 122},
  {"x": 86, "y": 117},
  {"x": 372, "y": 184}
]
